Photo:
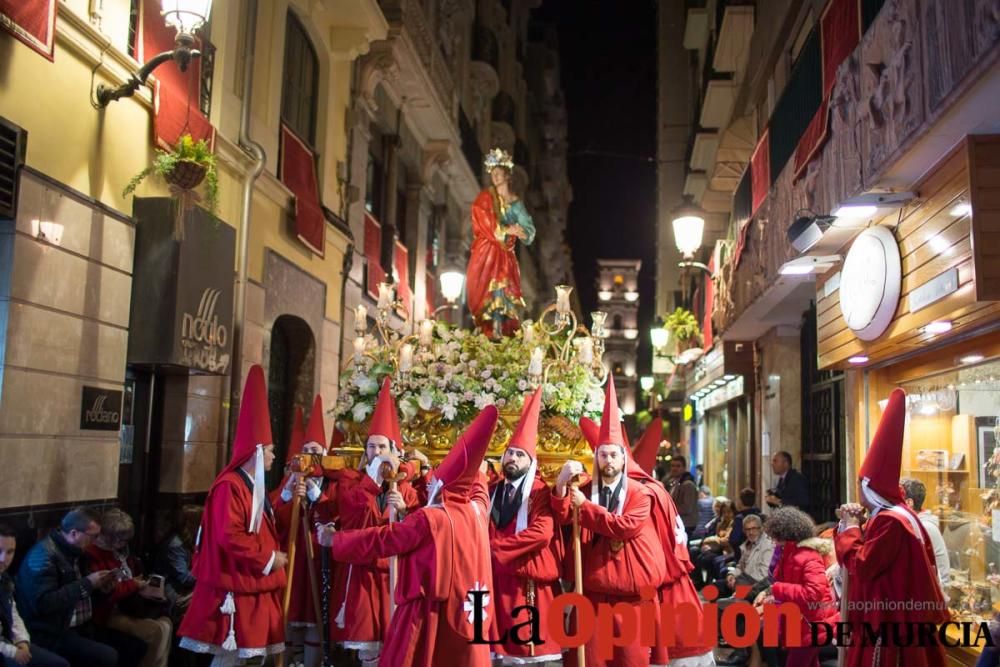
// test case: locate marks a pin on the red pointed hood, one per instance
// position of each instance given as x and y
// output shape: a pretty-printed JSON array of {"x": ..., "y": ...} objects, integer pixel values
[
  {"x": 611, "y": 424},
  {"x": 385, "y": 421},
  {"x": 648, "y": 445},
  {"x": 254, "y": 425},
  {"x": 884, "y": 459},
  {"x": 458, "y": 470},
  {"x": 316, "y": 432},
  {"x": 297, "y": 437},
  {"x": 525, "y": 435},
  {"x": 337, "y": 438}
]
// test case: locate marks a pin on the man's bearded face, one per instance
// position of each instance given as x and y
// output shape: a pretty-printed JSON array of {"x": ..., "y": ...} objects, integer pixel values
[
  {"x": 377, "y": 445},
  {"x": 515, "y": 463},
  {"x": 268, "y": 457},
  {"x": 610, "y": 461}
]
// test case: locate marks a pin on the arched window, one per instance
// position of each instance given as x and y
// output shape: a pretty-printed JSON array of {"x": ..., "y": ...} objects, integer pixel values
[
  {"x": 289, "y": 383},
  {"x": 300, "y": 81},
  {"x": 618, "y": 324}
]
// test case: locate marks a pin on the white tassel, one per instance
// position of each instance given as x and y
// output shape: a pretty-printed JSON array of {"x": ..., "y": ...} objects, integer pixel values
[
  {"x": 229, "y": 608},
  {"x": 341, "y": 619}
]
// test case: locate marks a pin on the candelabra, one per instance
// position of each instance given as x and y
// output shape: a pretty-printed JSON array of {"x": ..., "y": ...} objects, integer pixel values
[
  {"x": 564, "y": 336},
  {"x": 385, "y": 345}
]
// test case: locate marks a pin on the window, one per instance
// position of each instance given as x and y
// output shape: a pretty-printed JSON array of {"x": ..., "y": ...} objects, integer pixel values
[
  {"x": 299, "y": 90},
  {"x": 374, "y": 180}
]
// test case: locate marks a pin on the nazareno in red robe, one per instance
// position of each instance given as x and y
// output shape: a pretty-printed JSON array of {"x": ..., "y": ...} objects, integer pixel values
[
  {"x": 888, "y": 563},
  {"x": 490, "y": 259},
  {"x": 535, "y": 554},
  {"x": 611, "y": 576},
  {"x": 359, "y": 605},
  {"x": 230, "y": 559},
  {"x": 301, "y": 608},
  {"x": 443, "y": 554}
]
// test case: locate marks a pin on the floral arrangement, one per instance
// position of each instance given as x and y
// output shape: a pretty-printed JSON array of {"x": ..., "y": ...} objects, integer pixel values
[{"x": 459, "y": 374}]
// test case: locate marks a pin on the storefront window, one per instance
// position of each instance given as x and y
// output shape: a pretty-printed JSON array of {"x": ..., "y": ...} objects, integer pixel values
[
  {"x": 717, "y": 451},
  {"x": 953, "y": 429}
]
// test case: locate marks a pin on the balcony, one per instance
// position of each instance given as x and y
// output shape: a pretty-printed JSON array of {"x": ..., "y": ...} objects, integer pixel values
[
  {"x": 485, "y": 47},
  {"x": 717, "y": 105},
  {"x": 406, "y": 17},
  {"x": 703, "y": 152},
  {"x": 504, "y": 109},
  {"x": 735, "y": 33}
]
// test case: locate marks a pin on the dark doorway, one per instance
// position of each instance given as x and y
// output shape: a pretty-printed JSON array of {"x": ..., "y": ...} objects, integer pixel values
[
  {"x": 822, "y": 426},
  {"x": 290, "y": 382},
  {"x": 138, "y": 463}
]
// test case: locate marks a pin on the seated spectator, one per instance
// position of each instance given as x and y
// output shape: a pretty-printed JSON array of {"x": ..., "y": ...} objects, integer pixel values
[
  {"x": 172, "y": 560},
  {"x": 755, "y": 558},
  {"x": 707, "y": 511},
  {"x": 56, "y": 600},
  {"x": 915, "y": 494},
  {"x": 131, "y": 605},
  {"x": 746, "y": 505},
  {"x": 15, "y": 642},
  {"x": 800, "y": 578},
  {"x": 714, "y": 549}
]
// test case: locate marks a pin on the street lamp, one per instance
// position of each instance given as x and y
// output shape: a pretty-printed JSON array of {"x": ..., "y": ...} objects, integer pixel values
[
  {"x": 658, "y": 335},
  {"x": 646, "y": 382},
  {"x": 688, "y": 221},
  {"x": 187, "y": 16}
]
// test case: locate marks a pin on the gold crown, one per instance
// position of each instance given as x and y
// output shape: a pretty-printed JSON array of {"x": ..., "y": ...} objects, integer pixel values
[{"x": 498, "y": 157}]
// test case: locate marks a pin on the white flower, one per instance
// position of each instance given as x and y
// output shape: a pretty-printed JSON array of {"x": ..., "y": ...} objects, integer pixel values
[
  {"x": 360, "y": 412},
  {"x": 484, "y": 400},
  {"x": 449, "y": 411},
  {"x": 522, "y": 385},
  {"x": 366, "y": 384},
  {"x": 408, "y": 407},
  {"x": 426, "y": 400},
  {"x": 501, "y": 402},
  {"x": 486, "y": 374}
]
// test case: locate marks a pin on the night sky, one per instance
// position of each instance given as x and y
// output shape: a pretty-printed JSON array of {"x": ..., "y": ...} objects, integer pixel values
[{"x": 608, "y": 59}]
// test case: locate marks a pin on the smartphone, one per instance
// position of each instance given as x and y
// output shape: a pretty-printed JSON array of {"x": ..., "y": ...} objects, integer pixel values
[{"x": 156, "y": 581}]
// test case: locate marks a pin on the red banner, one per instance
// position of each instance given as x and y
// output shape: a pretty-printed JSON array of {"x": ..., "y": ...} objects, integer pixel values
[
  {"x": 298, "y": 171},
  {"x": 177, "y": 94},
  {"x": 706, "y": 326},
  {"x": 760, "y": 172},
  {"x": 31, "y": 21},
  {"x": 373, "y": 255},
  {"x": 741, "y": 243},
  {"x": 401, "y": 264},
  {"x": 840, "y": 33}
]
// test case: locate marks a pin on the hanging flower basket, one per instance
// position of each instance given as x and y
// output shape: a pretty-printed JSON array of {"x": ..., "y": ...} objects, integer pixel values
[{"x": 187, "y": 174}]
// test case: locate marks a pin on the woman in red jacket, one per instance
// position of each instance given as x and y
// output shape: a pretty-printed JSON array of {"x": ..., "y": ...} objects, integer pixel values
[{"x": 800, "y": 578}]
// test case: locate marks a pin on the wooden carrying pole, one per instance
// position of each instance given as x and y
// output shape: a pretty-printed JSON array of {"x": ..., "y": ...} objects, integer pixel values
[
  {"x": 394, "y": 478},
  {"x": 313, "y": 580},
  {"x": 581, "y": 651},
  {"x": 292, "y": 538}
]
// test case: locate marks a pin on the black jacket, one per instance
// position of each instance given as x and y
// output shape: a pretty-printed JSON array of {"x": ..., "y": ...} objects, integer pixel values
[
  {"x": 49, "y": 585},
  {"x": 794, "y": 490}
]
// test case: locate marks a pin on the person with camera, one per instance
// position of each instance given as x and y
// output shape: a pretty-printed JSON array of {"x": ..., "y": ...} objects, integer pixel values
[
  {"x": 239, "y": 567},
  {"x": 133, "y": 604},
  {"x": 359, "y": 604},
  {"x": 56, "y": 599}
]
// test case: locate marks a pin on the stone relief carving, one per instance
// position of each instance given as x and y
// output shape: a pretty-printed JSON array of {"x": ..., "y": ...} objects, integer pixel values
[{"x": 376, "y": 68}]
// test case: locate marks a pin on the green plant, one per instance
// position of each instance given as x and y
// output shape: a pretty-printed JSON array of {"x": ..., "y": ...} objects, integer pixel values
[
  {"x": 683, "y": 325},
  {"x": 166, "y": 165}
]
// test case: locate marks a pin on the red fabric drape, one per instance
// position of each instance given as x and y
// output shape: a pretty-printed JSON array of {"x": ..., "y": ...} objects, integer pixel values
[
  {"x": 840, "y": 33},
  {"x": 31, "y": 21},
  {"x": 298, "y": 172},
  {"x": 760, "y": 172},
  {"x": 741, "y": 242},
  {"x": 401, "y": 262},
  {"x": 706, "y": 326},
  {"x": 176, "y": 93},
  {"x": 373, "y": 255}
]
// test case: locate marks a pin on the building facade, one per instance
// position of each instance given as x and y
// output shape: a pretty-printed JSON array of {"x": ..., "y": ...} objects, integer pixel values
[{"x": 618, "y": 296}]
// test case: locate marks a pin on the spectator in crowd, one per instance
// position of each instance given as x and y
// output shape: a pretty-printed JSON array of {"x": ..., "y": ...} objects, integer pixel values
[
  {"x": 56, "y": 600},
  {"x": 746, "y": 505},
  {"x": 915, "y": 493},
  {"x": 800, "y": 578},
  {"x": 792, "y": 488},
  {"x": 699, "y": 475},
  {"x": 15, "y": 642},
  {"x": 715, "y": 549},
  {"x": 707, "y": 510},
  {"x": 131, "y": 606},
  {"x": 755, "y": 558},
  {"x": 172, "y": 559},
  {"x": 684, "y": 493}
]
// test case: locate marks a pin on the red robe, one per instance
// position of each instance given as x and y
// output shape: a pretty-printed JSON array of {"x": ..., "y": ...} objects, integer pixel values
[
  {"x": 533, "y": 554},
  {"x": 301, "y": 608},
  {"x": 443, "y": 554},
  {"x": 229, "y": 559},
  {"x": 884, "y": 563},
  {"x": 616, "y": 576},
  {"x": 361, "y": 590},
  {"x": 490, "y": 259},
  {"x": 677, "y": 588}
]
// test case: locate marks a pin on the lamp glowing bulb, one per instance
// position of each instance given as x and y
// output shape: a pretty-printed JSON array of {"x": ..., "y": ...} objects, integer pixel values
[{"x": 938, "y": 327}]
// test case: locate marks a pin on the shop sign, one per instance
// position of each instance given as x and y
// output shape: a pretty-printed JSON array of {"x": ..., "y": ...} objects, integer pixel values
[
  {"x": 100, "y": 409},
  {"x": 727, "y": 392},
  {"x": 933, "y": 290},
  {"x": 870, "y": 283},
  {"x": 203, "y": 337},
  {"x": 688, "y": 412}
]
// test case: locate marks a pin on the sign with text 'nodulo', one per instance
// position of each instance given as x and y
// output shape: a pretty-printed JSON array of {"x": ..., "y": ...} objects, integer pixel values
[
  {"x": 182, "y": 290},
  {"x": 100, "y": 409}
]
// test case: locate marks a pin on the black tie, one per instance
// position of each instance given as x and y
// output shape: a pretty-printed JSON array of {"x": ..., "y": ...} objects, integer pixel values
[
  {"x": 508, "y": 495},
  {"x": 606, "y": 498}
]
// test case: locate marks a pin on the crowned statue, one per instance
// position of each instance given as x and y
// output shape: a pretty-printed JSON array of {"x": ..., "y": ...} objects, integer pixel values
[{"x": 499, "y": 220}]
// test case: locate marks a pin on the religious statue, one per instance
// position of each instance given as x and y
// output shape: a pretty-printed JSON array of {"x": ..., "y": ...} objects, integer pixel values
[{"x": 499, "y": 219}]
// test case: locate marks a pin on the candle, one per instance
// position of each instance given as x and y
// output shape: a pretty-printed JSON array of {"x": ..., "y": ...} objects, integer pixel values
[
  {"x": 426, "y": 333},
  {"x": 535, "y": 367},
  {"x": 528, "y": 332},
  {"x": 562, "y": 298},
  {"x": 359, "y": 348},
  {"x": 405, "y": 358},
  {"x": 385, "y": 296},
  {"x": 360, "y": 318},
  {"x": 586, "y": 354}
]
